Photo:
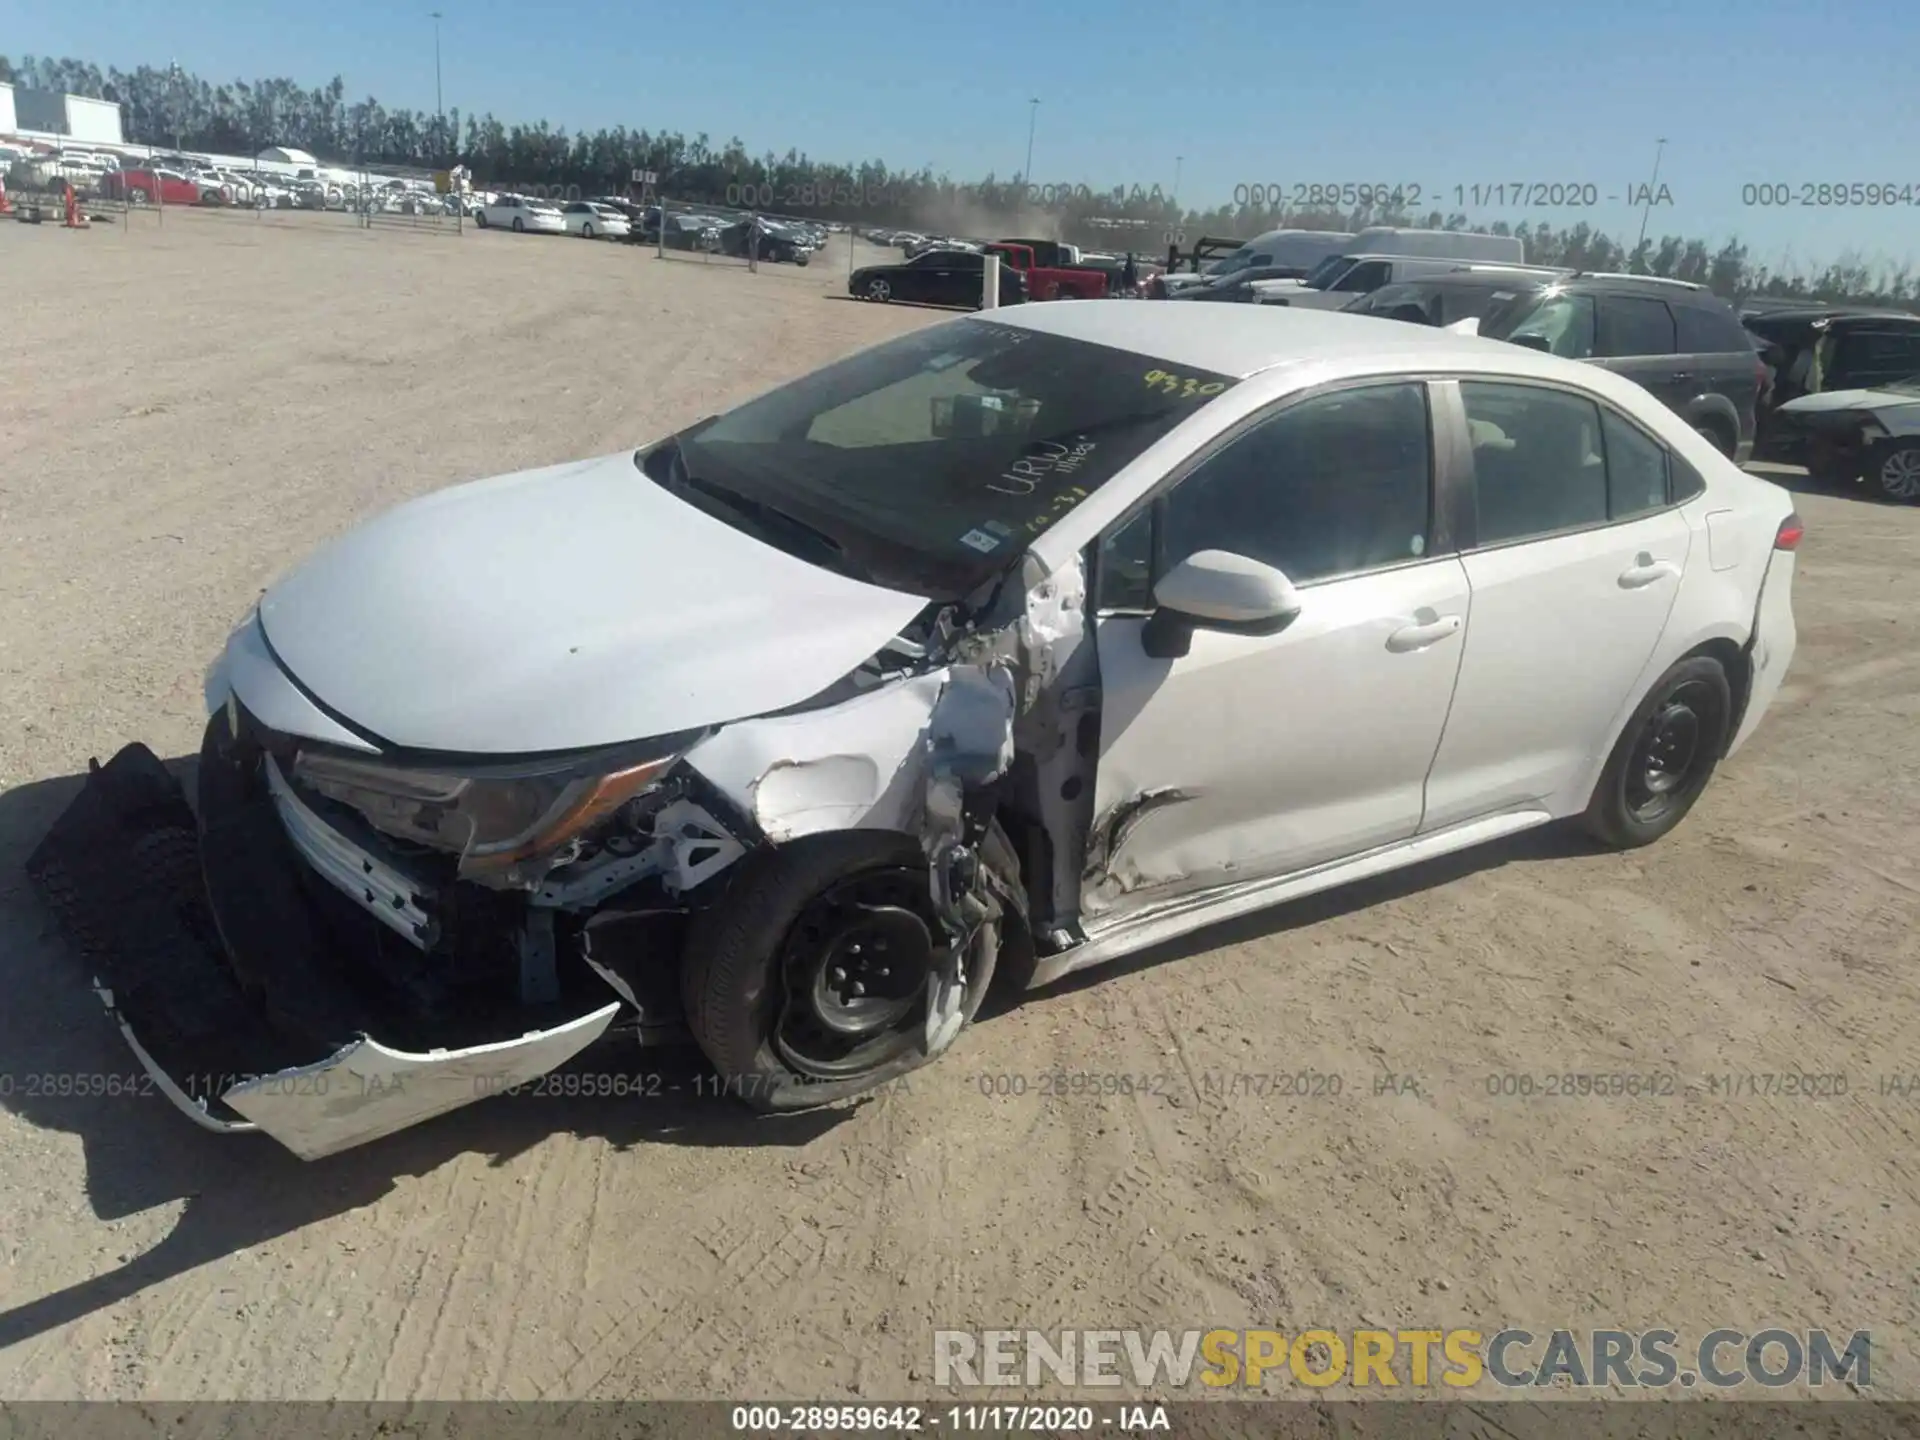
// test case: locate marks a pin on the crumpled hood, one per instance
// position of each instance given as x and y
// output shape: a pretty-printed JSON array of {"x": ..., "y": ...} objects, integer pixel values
[
  {"x": 561, "y": 608},
  {"x": 1849, "y": 400}
]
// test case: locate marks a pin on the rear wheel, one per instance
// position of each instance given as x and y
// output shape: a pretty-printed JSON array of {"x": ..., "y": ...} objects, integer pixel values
[
  {"x": 586, "y": 231},
  {"x": 807, "y": 983},
  {"x": 519, "y": 225},
  {"x": 1895, "y": 471},
  {"x": 480, "y": 218},
  {"x": 1715, "y": 437},
  {"x": 1665, "y": 756}
]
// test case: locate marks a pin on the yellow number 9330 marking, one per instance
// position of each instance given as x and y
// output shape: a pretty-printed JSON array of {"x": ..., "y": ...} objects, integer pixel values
[{"x": 1182, "y": 385}]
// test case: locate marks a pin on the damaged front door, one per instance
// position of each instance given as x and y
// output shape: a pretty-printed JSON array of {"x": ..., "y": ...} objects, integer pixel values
[{"x": 1259, "y": 755}]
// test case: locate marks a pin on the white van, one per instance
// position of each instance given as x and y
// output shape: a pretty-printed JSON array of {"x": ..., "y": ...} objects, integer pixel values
[
  {"x": 1295, "y": 249},
  {"x": 1341, "y": 277},
  {"x": 1440, "y": 244}
]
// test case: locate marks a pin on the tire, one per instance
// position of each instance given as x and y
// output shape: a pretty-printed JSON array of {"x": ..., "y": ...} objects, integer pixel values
[
  {"x": 737, "y": 1000},
  {"x": 1665, "y": 756},
  {"x": 137, "y": 196},
  {"x": 586, "y": 231},
  {"x": 879, "y": 290},
  {"x": 1895, "y": 471},
  {"x": 519, "y": 226},
  {"x": 1713, "y": 436},
  {"x": 480, "y": 218}
]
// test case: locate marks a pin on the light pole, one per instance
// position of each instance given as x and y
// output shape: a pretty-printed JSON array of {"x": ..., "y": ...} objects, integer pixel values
[
  {"x": 1178, "y": 161},
  {"x": 1033, "y": 117},
  {"x": 1659, "y": 148},
  {"x": 439, "y": 108}
]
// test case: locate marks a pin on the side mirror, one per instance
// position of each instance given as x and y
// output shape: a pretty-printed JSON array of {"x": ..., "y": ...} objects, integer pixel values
[
  {"x": 1217, "y": 590},
  {"x": 1532, "y": 342}
]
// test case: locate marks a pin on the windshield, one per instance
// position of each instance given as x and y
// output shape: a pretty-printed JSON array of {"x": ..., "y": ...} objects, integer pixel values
[
  {"x": 1322, "y": 276},
  {"x": 930, "y": 463}
]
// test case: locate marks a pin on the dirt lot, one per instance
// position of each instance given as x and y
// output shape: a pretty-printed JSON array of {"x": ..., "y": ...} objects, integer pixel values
[{"x": 188, "y": 408}]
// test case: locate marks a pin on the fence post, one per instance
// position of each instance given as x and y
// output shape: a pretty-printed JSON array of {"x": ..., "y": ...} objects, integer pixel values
[{"x": 990, "y": 271}]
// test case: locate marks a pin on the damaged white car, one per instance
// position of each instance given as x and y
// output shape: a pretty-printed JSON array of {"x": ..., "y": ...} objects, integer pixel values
[{"x": 998, "y": 650}]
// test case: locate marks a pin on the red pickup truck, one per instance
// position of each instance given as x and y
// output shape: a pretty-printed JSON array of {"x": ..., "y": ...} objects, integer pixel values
[{"x": 1049, "y": 282}]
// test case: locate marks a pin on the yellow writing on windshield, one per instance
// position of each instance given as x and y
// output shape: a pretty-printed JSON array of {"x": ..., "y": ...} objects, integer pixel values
[{"x": 1185, "y": 386}]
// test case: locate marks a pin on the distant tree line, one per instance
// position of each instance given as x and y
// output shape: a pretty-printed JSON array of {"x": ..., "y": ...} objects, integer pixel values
[{"x": 172, "y": 107}]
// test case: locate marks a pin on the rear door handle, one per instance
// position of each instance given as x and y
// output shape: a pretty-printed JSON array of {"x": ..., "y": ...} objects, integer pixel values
[
  {"x": 1645, "y": 570},
  {"x": 1418, "y": 637}
]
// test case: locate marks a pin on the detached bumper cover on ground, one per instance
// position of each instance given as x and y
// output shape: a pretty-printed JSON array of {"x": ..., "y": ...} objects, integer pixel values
[{"x": 277, "y": 1041}]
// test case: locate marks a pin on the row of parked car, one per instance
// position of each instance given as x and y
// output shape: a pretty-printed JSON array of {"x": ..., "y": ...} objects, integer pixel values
[
  {"x": 610, "y": 217},
  {"x": 1835, "y": 388}
]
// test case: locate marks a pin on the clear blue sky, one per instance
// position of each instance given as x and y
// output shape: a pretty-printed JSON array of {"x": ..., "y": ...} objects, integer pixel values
[{"x": 1461, "y": 93}]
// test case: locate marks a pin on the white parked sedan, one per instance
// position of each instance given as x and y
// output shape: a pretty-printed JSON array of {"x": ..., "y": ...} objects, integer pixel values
[
  {"x": 517, "y": 212},
  {"x": 1001, "y": 649},
  {"x": 594, "y": 221}
]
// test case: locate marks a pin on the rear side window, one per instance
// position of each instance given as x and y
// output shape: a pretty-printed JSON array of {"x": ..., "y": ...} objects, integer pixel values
[
  {"x": 1704, "y": 330},
  {"x": 1636, "y": 469},
  {"x": 1883, "y": 355},
  {"x": 1538, "y": 461},
  {"x": 1633, "y": 325}
]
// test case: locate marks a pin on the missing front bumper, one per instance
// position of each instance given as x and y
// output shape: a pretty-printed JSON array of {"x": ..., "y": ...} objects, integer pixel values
[{"x": 278, "y": 1044}]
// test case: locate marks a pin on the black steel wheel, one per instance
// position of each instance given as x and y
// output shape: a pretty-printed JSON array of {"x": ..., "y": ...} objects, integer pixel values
[
  {"x": 1665, "y": 756},
  {"x": 808, "y": 980}
]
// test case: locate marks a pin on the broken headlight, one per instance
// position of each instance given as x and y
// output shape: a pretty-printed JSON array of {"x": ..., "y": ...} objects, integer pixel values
[{"x": 494, "y": 817}]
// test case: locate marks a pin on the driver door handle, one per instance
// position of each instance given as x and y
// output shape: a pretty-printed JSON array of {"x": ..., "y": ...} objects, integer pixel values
[
  {"x": 1418, "y": 637},
  {"x": 1645, "y": 570}
]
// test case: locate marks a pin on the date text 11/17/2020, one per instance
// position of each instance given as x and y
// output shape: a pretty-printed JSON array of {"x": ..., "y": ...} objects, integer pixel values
[{"x": 1480, "y": 195}]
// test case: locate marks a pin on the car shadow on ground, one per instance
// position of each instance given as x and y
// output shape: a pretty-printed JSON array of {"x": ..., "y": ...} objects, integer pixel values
[
  {"x": 905, "y": 304},
  {"x": 65, "y": 1067}
]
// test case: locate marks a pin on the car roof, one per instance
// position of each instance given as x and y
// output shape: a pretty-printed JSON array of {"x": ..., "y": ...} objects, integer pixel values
[{"x": 1242, "y": 340}]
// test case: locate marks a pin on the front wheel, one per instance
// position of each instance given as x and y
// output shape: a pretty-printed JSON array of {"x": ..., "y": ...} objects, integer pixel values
[
  {"x": 1896, "y": 471},
  {"x": 519, "y": 226},
  {"x": 1664, "y": 757},
  {"x": 879, "y": 290},
  {"x": 480, "y": 218},
  {"x": 808, "y": 982},
  {"x": 586, "y": 232}
]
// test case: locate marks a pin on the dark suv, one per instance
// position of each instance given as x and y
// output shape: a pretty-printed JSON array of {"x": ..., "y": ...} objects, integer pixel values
[
  {"x": 1818, "y": 349},
  {"x": 1680, "y": 340}
]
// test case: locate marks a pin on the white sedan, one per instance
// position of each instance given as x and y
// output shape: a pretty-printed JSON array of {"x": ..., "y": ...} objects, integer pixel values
[
  {"x": 594, "y": 221},
  {"x": 517, "y": 212},
  {"x": 1042, "y": 636}
]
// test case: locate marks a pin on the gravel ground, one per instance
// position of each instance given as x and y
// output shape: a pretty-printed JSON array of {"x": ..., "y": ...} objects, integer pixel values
[{"x": 190, "y": 406}]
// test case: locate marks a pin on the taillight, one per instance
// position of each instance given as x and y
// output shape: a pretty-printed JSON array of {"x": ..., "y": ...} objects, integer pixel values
[{"x": 1787, "y": 537}]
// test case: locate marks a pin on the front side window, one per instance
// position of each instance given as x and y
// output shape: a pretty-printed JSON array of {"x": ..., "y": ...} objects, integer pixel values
[
  {"x": 1333, "y": 485},
  {"x": 932, "y": 461},
  {"x": 1370, "y": 275},
  {"x": 1564, "y": 322}
]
